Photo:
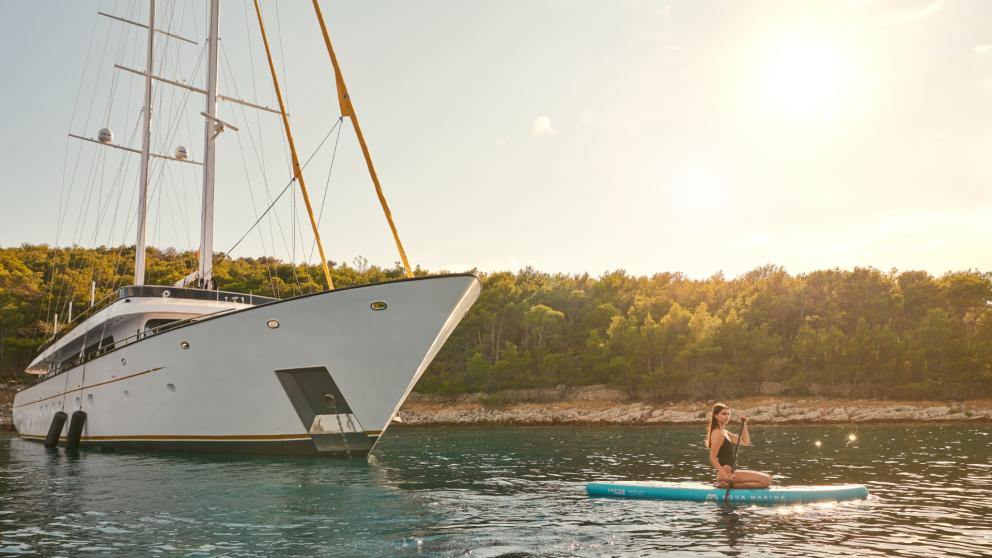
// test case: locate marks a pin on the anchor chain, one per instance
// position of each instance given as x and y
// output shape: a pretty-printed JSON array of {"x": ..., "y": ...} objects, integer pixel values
[{"x": 332, "y": 403}]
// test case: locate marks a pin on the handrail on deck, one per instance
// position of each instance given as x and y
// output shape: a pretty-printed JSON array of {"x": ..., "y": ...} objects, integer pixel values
[
  {"x": 157, "y": 291},
  {"x": 117, "y": 344}
]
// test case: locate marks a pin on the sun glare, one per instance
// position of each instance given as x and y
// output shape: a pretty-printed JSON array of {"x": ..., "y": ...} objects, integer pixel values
[
  {"x": 805, "y": 77},
  {"x": 697, "y": 188}
]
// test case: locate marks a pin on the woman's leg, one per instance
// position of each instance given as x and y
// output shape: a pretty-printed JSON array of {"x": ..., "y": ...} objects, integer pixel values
[
  {"x": 741, "y": 484},
  {"x": 753, "y": 479}
]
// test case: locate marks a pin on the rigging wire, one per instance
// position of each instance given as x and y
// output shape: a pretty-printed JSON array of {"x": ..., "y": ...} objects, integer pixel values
[
  {"x": 327, "y": 185},
  {"x": 105, "y": 198},
  {"x": 258, "y": 117},
  {"x": 61, "y": 279},
  {"x": 63, "y": 209},
  {"x": 162, "y": 135},
  {"x": 260, "y": 159},
  {"x": 64, "y": 196},
  {"x": 254, "y": 207},
  {"x": 119, "y": 277},
  {"x": 294, "y": 215},
  {"x": 287, "y": 155},
  {"x": 65, "y": 289},
  {"x": 171, "y": 131},
  {"x": 101, "y": 197},
  {"x": 283, "y": 191}
]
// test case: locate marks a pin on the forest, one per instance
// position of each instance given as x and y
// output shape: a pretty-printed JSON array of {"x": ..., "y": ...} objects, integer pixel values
[{"x": 839, "y": 333}]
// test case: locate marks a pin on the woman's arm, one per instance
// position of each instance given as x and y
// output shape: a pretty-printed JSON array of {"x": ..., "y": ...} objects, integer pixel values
[{"x": 745, "y": 437}]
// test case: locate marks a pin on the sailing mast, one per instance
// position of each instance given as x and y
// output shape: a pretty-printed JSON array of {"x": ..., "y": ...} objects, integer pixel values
[
  {"x": 212, "y": 127},
  {"x": 146, "y": 137},
  {"x": 297, "y": 169},
  {"x": 348, "y": 110}
]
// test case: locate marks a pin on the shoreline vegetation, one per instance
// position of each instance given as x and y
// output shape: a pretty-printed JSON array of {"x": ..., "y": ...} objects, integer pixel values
[{"x": 852, "y": 335}]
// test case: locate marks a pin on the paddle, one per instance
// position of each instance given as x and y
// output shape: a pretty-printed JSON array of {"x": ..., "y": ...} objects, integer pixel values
[{"x": 733, "y": 466}]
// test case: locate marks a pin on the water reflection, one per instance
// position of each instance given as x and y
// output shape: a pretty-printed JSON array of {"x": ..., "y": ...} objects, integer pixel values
[{"x": 504, "y": 492}]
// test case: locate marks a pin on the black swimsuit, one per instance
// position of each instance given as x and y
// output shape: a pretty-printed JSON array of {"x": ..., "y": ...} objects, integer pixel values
[{"x": 725, "y": 456}]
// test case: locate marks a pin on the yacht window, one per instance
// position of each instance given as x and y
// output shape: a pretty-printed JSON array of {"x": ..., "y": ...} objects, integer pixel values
[
  {"x": 154, "y": 326},
  {"x": 96, "y": 349},
  {"x": 68, "y": 362}
]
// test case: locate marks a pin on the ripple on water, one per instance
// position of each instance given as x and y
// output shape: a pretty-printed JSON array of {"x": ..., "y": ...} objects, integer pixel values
[{"x": 504, "y": 492}]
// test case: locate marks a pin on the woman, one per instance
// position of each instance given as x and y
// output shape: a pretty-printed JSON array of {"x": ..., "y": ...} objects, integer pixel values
[{"x": 721, "y": 444}]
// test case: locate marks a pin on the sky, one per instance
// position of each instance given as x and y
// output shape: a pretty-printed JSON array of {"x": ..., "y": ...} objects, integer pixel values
[{"x": 572, "y": 136}]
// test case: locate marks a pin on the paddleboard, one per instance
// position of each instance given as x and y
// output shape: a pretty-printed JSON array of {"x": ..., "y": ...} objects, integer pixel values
[{"x": 707, "y": 493}]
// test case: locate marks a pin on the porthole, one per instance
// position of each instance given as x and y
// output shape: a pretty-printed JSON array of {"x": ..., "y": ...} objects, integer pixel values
[
  {"x": 378, "y": 305},
  {"x": 171, "y": 388},
  {"x": 273, "y": 324},
  {"x": 184, "y": 345},
  {"x": 89, "y": 398}
]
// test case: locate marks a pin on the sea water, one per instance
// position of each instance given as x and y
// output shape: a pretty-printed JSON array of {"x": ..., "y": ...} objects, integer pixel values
[{"x": 505, "y": 491}]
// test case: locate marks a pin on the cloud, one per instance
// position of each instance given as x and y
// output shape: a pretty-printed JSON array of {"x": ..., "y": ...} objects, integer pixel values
[
  {"x": 589, "y": 118},
  {"x": 542, "y": 126},
  {"x": 902, "y": 17},
  {"x": 983, "y": 49}
]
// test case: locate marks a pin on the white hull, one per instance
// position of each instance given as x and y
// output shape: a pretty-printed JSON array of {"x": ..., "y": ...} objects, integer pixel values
[{"x": 223, "y": 392}]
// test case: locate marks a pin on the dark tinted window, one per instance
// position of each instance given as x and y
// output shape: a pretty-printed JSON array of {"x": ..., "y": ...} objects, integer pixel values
[
  {"x": 153, "y": 326},
  {"x": 100, "y": 347}
]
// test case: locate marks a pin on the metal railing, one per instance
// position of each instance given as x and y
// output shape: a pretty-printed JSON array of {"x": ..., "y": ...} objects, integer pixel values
[
  {"x": 157, "y": 291},
  {"x": 83, "y": 358}
]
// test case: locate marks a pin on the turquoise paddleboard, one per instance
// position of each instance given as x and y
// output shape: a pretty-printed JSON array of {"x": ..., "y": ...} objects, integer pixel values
[{"x": 707, "y": 493}]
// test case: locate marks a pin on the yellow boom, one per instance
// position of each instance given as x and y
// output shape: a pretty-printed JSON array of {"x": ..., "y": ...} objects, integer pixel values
[
  {"x": 347, "y": 109},
  {"x": 297, "y": 170}
]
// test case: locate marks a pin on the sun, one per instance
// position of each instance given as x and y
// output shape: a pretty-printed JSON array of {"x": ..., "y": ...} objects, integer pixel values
[{"x": 805, "y": 77}]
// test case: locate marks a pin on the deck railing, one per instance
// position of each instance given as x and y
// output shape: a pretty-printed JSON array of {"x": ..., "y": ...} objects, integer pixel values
[
  {"x": 156, "y": 291},
  {"x": 146, "y": 291}
]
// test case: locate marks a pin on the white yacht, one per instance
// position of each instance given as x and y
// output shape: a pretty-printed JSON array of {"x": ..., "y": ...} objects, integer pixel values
[{"x": 175, "y": 367}]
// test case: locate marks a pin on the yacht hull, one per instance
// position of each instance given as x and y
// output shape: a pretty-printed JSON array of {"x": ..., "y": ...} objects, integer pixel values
[{"x": 320, "y": 374}]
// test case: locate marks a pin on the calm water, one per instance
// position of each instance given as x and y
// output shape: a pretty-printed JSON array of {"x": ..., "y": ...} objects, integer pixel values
[{"x": 504, "y": 491}]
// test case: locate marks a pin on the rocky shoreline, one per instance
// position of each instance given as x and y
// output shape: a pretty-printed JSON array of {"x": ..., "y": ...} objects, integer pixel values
[
  {"x": 604, "y": 406},
  {"x": 601, "y": 405}
]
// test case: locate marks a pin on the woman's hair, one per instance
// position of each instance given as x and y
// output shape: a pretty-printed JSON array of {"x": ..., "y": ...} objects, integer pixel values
[{"x": 717, "y": 409}]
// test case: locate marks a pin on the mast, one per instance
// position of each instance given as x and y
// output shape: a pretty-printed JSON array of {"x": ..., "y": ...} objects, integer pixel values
[
  {"x": 348, "y": 109},
  {"x": 146, "y": 137},
  {"x": 211, "y": 129},
  {"x": 297, "y": 169}
]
